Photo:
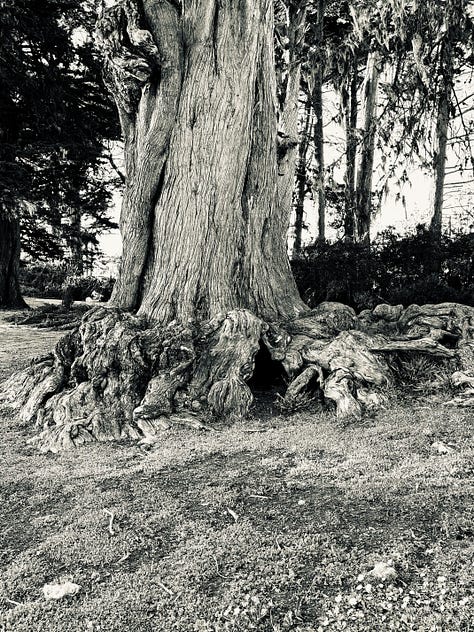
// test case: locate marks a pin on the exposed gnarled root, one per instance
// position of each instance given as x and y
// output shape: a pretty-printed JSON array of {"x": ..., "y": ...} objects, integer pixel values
[
  {"x": 118, "y": 376},
  {"x": 353, "y": 356},
  {"x": 228, "y": 362}
]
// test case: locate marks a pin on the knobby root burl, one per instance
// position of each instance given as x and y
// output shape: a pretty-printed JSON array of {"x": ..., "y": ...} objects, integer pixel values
[{"x": 119, "y": 375}]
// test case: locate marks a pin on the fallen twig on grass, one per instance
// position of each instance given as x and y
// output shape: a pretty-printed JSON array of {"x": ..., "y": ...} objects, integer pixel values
[
  {"x": 111, "y": 521},
  {"x": 217, "y": 568},
  {"x": 12, "y": 601},
  {"x": 232, "y": 513},
  {"x": 165, "y": 588}
]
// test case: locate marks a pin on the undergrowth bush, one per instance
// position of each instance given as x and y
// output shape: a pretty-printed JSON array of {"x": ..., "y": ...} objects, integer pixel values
[
  {"x": 424, "y": 374},
  {"x": 393, "y": 270},
  {"x": 49, "y": 281}
]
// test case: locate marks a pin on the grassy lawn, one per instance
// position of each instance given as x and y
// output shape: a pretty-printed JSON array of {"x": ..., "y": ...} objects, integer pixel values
[{"x": 232, "y": 530}]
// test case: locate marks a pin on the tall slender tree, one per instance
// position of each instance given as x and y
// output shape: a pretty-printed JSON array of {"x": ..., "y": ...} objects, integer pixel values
[
  {"x": 317, "y": 83},
  {"x": 457, "y": 33},
  {"x": 290, "y": 36},
  {"x": 367, "y": 149},
  {"x": 302, "y": 179},
  {"x": 10, "y": 295},
  {"x": 434, "y": 46},
  {"x": 350, "y": 105}
]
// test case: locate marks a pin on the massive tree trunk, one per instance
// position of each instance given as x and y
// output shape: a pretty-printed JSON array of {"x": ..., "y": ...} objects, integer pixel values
[
  {"x": 10, "y": 295},
  {"x": 205, "y": 261},
  {"x": 366, "y": 166},
  {"x": 201, "y": 227}
]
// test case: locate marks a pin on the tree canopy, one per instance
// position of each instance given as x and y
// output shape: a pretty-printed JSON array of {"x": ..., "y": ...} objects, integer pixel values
[{"x": 55, "y": 117}]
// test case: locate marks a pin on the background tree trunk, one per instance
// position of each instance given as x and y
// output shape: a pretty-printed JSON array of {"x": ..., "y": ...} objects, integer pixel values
[
  {"x": 317, "y": 102},
  {"x": 289, "y": 111},
  {"x": 439, "y": 162},
  {"x": 10, "y": 295},
  {"x": 75, "y": 242},
  {"x": 301, "y": 181},
  {"x": 350, "y": 108},
  {"x": 454, "y": 22},
  {"x": 366, "y": 166}
]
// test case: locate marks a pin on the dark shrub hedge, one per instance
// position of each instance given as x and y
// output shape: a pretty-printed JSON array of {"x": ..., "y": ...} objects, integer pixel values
[
  {"x": 49, "y": 281},
  {"x": 394, "y": 270}
]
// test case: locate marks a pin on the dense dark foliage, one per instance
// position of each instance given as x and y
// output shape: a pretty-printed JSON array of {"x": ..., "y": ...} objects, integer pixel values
[
  {"x": 54, "y": 116},
  {"x": 394, "y": 270},
  {"x": 50, "y": 281}
]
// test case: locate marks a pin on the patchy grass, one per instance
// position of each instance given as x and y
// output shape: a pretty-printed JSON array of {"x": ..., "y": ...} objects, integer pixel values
[
  {"x": 18, "y": 344},
  {"x": 232, "y": 530}
]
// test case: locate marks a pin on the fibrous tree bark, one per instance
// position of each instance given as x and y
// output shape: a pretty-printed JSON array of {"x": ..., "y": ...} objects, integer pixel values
[{"x": 200, "y": 223}]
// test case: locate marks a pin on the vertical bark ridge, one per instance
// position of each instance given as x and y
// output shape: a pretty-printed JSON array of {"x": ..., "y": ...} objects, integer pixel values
[
  {"x": 143, "y": 70},
  {"x": 273, "y": 292}
]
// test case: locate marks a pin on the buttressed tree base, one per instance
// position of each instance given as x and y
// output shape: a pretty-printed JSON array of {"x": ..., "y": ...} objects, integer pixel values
[{"x": 205, "y": 282}]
